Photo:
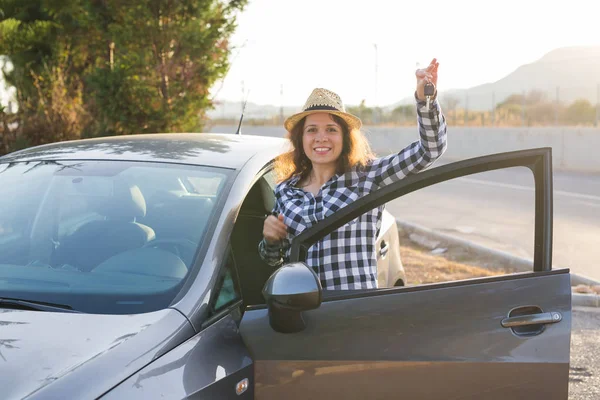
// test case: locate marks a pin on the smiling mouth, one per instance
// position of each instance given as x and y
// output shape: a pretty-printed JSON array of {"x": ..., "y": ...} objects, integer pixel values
[{"x": 322, "y": 149}]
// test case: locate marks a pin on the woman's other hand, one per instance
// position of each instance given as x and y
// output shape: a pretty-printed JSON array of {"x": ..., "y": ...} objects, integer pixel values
[{"x": 274, "y": 230}]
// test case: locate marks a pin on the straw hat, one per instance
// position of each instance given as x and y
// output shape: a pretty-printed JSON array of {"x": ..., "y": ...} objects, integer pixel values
[{"x": 323, "y": 100}]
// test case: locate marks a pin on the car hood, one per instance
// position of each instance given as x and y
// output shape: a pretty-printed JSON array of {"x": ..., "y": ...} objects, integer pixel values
[{"x": 45, "y": 355}]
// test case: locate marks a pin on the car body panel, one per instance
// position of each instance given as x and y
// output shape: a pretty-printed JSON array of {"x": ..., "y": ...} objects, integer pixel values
[
  {"x": 47, "y": 354},
  {"x": 209, "y": 365},
  {"x": 396, "y": 273},
  {"x": 227, "y": 151},
  {"x": 390, "y": 271}
]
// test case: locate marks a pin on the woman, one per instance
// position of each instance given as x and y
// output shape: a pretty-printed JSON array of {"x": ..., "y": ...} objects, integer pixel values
[{"x": 330, "y": 166}]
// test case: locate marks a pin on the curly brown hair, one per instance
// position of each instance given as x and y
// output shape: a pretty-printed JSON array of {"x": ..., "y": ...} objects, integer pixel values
[{"x": 356, "y": 152}]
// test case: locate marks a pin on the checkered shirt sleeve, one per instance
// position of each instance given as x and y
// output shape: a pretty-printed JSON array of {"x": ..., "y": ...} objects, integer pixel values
[
  {"x": 273, "y": 254},
  {"x": 419, "y": 154}
]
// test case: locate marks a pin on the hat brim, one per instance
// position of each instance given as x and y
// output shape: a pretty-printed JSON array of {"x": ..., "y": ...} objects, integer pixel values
[{"x": 353, "y": 121}]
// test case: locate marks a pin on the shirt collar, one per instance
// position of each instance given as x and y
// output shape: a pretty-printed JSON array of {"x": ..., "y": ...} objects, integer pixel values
[{"x": 293, "y": 181}]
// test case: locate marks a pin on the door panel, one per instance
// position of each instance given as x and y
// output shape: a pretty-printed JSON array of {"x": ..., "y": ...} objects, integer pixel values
[
  {"x": 424, "y": 342},
  {"x": 443, "y": 380}
]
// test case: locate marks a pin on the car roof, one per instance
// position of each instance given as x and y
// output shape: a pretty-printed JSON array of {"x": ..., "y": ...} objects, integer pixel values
[{"x": 222, "y": 150}]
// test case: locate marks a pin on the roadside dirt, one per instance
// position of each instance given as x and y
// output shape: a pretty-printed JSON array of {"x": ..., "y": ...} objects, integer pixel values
[
  {"x": 452, "y": 263},
  {"x": 423, "y": 265}
]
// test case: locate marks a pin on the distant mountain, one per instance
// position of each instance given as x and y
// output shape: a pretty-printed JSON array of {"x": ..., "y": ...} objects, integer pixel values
[{"x": 575, "y": 71}]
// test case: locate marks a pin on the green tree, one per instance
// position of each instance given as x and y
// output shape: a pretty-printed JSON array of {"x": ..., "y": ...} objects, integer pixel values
[
  {"x": 108, "y": 67},
  {"x": 580, "y": 112},
  {"x": 534, "y": 105},
  {"x": 543, "y": 113},
  {"x": 404, "y": 113},
  {"x": 362, "y": 111}
]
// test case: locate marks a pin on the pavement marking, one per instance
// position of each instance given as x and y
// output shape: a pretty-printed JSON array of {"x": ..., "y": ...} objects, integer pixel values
[{"x": 530, "y": 189}]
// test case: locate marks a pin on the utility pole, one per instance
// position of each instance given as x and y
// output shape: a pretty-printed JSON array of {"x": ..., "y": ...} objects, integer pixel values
[
  {"x": 454, "y": 117},
  {"x": 523, "y": 108},
  {"x": 376, "y": 73},
  {"x": 281, "y": 106},
  {"x": 493, "y": 109},
  {"x": 557, "y": 104},
  {"x": 597, "y": 105},
  {"x": 466, "y": 108}
]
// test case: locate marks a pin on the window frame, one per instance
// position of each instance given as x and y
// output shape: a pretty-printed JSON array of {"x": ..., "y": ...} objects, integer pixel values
[{"x": 216, "y": 314}]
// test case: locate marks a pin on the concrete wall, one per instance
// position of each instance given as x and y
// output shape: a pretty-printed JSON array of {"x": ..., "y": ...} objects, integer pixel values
[{"x": 573, "y": 149}]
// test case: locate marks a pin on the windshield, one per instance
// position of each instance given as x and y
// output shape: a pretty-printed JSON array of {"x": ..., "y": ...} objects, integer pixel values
[{"x": 102, "y": 236}]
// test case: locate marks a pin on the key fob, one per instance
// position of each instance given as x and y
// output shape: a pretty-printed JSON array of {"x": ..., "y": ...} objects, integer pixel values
[{"x": 429, "y": 89}]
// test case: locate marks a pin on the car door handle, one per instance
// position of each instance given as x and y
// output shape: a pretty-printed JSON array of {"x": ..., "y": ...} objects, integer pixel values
[
  {"x": 532, "y": 319},
  {"x": 385, "y": 247}
]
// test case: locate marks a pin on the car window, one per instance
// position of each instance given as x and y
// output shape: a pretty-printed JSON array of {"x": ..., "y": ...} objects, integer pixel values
[
  {"x": 102, "y": 236},
  {"x": 76, "y": 207},
  {"x": 227, "y": 288},
  {"x": 18, "y": 204},
  {"x": 271, "y": 178},
  {"x": 268, "y": 190},
  {"x": 203, "y": 185}
]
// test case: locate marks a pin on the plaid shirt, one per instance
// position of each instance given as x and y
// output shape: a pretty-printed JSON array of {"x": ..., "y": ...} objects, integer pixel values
[{"x": 346, "y": 258}]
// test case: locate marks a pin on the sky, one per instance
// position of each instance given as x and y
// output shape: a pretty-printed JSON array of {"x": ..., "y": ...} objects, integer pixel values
[{"x": 331, "y": 43}]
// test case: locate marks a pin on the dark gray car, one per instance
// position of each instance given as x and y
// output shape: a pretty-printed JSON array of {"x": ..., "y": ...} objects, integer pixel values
[{"x": 129, "y": 270}]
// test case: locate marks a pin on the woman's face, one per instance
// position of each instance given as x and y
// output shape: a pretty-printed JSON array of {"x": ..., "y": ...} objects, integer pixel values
[{"x": 322, "y": 139}]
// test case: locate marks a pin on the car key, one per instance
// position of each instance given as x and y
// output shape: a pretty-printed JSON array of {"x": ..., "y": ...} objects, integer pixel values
[{"x": 429, "y": 91}]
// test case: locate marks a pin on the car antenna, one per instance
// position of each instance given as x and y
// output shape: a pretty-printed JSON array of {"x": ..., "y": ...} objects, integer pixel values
[{"x": 239, "y": 129}]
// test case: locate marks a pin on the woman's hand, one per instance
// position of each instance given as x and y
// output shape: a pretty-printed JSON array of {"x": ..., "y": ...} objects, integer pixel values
[
  {"x": 274, "y": 230},
  {"x": 424, "y": 75}
]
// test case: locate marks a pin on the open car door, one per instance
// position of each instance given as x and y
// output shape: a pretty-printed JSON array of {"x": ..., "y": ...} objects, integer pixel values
[{"x": 498, "y": 337}]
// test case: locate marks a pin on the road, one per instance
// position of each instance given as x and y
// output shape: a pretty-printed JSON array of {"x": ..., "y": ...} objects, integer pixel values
[
  {"x": 496, "y": 209},
  {"x": 584, "y": 369}
]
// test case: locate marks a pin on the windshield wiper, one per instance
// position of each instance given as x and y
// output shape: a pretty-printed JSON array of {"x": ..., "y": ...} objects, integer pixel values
[{"x": 35, "y": 305}]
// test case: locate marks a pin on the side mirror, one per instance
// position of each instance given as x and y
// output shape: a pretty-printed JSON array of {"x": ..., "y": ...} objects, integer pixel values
[{"x": 290, "y": 290}]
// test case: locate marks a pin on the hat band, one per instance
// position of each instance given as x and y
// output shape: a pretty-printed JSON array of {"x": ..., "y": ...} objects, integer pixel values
[{"x": 328, "y": 108}]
